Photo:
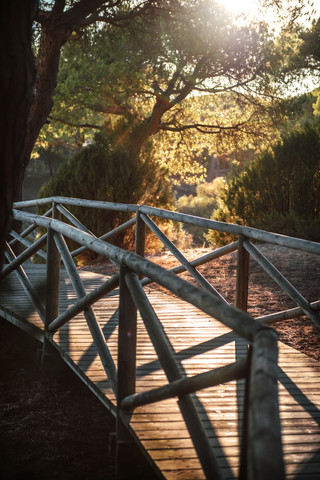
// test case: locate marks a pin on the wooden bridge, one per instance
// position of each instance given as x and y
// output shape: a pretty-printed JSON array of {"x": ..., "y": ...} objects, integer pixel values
[{"x": 202, "y": 387}]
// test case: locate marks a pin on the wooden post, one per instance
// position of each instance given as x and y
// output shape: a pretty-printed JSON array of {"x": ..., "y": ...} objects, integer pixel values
[
  {"x": 168, "y": 362},
  {"x": 243, "y": 469},
  {"x": 242, "y": 302},
  {"x": 242, "y": 275},
  {"x": 140, "y": 235},
  {"x": 126, "y": 373},
  {"x": 49, "y": 354},
  {"x": 264, "y": 454}
]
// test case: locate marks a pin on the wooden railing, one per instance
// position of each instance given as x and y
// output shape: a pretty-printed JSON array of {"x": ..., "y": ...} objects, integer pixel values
[{"x": 261, "y": 456}]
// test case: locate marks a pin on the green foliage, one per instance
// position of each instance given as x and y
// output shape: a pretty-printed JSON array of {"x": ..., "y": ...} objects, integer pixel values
[
  {"x": 279, "y": 191},
  {"x": 48, "y": 160},
  {"x": 101, "y": 173},
  {"x": 139, "y": 80},
  {"x": 310, "y": 47},
  {"x": 201, "y": 205}
]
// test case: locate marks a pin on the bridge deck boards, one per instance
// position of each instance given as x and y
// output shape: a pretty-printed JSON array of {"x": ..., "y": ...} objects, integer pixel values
[{"x": 199, "y": 344}]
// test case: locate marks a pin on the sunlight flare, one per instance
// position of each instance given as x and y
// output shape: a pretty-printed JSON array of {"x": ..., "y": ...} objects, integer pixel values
[{"x": 244, "y": 7}]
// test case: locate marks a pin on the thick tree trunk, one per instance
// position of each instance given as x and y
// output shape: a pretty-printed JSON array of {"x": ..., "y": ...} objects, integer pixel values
[
  {"x": 17, "y": 83},
  {"x": 56, "y": 27},
  {"x": 150, "y": 126},
  {"x": 46, "y": 79}
]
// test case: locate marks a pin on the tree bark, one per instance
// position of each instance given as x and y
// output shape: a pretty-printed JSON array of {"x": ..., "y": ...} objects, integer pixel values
[
  {"x": 56, "y": 27},
  {"x": 51, "y": 41},
  {"x": 17, "y": 82}
]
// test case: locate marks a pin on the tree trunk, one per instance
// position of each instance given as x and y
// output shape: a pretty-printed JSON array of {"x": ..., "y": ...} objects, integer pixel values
[
  {"x": 56, "y": 27},
  {"x": 46, "y": 79},
  {"x": 17, "y": 83},
  {"x": 147, "y": 127}
]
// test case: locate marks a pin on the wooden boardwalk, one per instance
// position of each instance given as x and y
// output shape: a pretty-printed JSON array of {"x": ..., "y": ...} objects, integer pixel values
[{"x": 199, "y": 343}]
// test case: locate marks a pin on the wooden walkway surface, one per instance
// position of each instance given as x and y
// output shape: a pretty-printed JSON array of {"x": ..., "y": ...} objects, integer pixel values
[{"x": 199, "y": 344}]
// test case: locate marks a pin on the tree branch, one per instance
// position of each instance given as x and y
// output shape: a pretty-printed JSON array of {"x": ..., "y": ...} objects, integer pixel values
[
  {"x": 202, "y": 127},
  {"x": 75, "y": 125},
  {"x": 123, "y": 19},
  {"x": 110, "y": 109},
  {"x": 42, "y": 16},
  {"x": 80, "y": 10}
]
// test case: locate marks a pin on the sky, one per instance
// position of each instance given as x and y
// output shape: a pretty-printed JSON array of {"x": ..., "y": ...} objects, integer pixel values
[{"x": 250, "y": 7}]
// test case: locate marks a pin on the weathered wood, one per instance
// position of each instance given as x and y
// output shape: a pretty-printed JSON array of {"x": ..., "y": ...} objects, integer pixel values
[
  {"x": 107, "y": 236},
  {"x": 27, "y": 243},
  {"x": 52, "y": 289},
  {"x": 186, "y": 326},
  {"x": 23, "y": 234},
  {"x": 123, "y": 207},
  {"x": 126, "y": 379},
  {"x": 27, "y": 231},
  {"x": 84, "y": 302},
  {"x": 74, "y": 220},
  {"x": 18, "y": 260},
  {"x": 288, "y": 288},
  {"x": 239, "y": 321},
  {"x": 140, "y": 240},
  {"x": 94, "y": 326},
  {"x": 164, "y": 352},
  {"x": 186, "y": 357},
  {"x": 243, "y": 469},
  {"x": 182, "y": 259},
  {"x": 188, "y": 385},
  {"x": 127, "y": 339},
  {"x": 34, "y": 203},
  {"x": 26, "y": 284},
  {"x": 255, "y": 234},
  {"x": 264, "y": 453},
  {"x": 286, "y": 314},
  {"x": 242, "y": 275},
  {"x": 219, "y": 252}
]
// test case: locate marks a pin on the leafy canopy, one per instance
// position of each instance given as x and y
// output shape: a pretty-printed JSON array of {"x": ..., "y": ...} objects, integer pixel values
[
  {"x": 279, "y": 191},
  {"x": 171, "y": 76},
  {"x": 99, "y": 172}
]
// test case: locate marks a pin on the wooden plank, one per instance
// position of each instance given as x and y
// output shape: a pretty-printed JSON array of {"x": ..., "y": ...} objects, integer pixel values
[{"x": 199, "y": 343}]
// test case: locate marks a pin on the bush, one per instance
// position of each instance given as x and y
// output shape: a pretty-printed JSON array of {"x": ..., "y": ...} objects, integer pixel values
[
  {"x": 101, "y": 173},
  {"x": 201, "y": 205},
  {"x": 279, "y": 191}
]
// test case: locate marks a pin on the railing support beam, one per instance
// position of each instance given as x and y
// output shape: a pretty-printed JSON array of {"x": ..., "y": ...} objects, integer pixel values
[
  {"x": 242, "y": 275},
  {"x": 126, "y": 383},
  {"x": 165, "y": 354},
  {"x": 264, "y": 453},
  {"x": 49, "y": 354},
  {"x": 93, "y": 324}
]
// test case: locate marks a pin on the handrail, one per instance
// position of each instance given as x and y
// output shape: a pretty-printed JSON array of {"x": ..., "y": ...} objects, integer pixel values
[
  {"x": 282, "y": 282},
  {"x": 243, "y": 232},
  {"x": 260, "y": 366},
  {"x": 254, "y": 233},
  {"x": 245, "y": 326}
]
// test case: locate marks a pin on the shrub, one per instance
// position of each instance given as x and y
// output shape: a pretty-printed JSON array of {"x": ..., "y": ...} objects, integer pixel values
[
  {"x": 101, "y": 173},
  {"x": 201, "y": 205},
  {"x": 279, "y": 191}
]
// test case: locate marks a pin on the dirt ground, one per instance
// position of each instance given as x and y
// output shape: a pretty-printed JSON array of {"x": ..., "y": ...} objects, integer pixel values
[{"x": 54, "y": 428}]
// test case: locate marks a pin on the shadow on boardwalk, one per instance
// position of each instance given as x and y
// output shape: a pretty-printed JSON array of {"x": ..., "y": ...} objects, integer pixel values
[{"x": 50, "y": 427}]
